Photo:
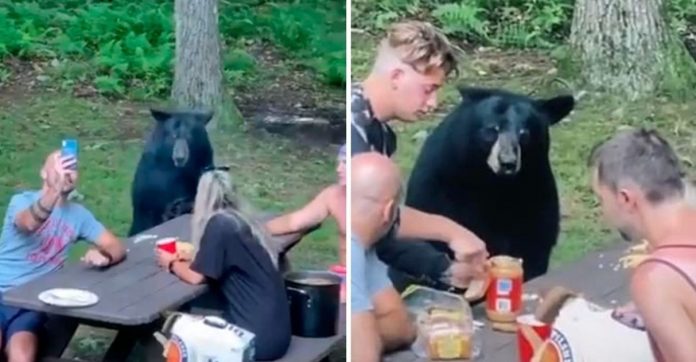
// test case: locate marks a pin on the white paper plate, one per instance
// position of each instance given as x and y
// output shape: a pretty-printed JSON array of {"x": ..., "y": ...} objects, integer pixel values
[{"x": 63, "y": 297}]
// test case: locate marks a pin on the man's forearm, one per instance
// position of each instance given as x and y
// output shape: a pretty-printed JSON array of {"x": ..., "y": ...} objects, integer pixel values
[
  {"x": 366, "y": 340},
  {"x": 30, "y": 219},
  {"x": 416, "y": 224},
  {"x": 280, "y": 225}
]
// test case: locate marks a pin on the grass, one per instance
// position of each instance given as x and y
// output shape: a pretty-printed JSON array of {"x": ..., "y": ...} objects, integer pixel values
[
  {"x": 595, "y": 118},
  {"x": 127, "y": 48}
]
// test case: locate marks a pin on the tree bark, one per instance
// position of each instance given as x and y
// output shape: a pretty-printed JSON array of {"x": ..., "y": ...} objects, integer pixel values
[
  {"x": 198, "y": 73},
  {"x": 624, "y": 46}
]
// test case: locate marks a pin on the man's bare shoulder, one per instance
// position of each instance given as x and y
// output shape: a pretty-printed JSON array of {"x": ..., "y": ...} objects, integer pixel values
[
  {"x": 335, "y": 196},
  {"x": 654, "y": 281}
]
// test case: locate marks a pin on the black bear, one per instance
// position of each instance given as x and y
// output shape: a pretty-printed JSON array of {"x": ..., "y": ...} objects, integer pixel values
[
  {"x": 485, "y": 166},
  {"x": 175, "y": 155}
]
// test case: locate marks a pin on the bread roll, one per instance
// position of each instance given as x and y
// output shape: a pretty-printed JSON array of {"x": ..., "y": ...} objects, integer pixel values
[
  {"x": 185, "y": 250},
  {"x": 477, "y": 289}
]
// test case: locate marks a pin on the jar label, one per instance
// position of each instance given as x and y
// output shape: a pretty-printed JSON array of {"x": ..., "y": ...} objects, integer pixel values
[
  {"x": 505, "y": 295},
  {"x": 504, "y": 286},
  {"x": 503, "y": 305}
]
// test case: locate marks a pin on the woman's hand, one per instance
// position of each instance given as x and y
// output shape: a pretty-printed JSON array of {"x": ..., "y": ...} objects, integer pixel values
[{"x": 164, "y": 259}]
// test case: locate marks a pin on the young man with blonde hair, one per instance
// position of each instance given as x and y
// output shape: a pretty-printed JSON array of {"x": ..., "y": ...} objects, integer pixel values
[{"x": 412, "y": 63}]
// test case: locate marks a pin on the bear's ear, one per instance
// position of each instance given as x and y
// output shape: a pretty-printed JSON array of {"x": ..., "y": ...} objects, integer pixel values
[
  {"x": 473, "y": 94},
  {"x": 160, "y": 115},
  {"x": 556, "y": 108},
  {"x": 204, "y": 117}
]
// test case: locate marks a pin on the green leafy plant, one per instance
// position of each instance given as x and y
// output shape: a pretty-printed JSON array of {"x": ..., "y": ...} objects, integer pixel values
[{"x": 123, "y": 46}]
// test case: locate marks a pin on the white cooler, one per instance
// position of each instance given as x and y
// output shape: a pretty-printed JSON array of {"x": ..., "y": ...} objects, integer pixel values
[{"x": 194, "y": 338}]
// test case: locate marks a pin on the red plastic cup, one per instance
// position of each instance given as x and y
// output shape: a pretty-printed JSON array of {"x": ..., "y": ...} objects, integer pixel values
[
  {"x": 338, "y": 269},
  {"x": 167, "y": 244},
  {"x": 531, "y": 334}
]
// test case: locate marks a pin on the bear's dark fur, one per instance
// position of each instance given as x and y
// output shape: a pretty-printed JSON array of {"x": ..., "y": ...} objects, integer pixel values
[
  {"x": 175, "y": 155},
  {"x": 514, "y": 209}
]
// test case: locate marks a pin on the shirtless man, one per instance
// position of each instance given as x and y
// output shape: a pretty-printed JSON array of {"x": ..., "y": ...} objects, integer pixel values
[
  {"x": 639, "y": 182},
  {"x": 330, "y": 202}
]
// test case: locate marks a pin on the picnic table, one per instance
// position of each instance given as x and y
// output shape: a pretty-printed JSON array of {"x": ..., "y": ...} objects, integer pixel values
[
  {"x": 132, "y": 297},
  {"x": 596, "y": 276}
]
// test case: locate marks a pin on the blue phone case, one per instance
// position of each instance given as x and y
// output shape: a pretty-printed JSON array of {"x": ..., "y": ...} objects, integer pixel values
[{"x": 69, "y": 148}]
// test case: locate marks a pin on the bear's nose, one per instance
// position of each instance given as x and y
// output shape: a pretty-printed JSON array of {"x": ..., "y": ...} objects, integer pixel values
[{"x": 508, "y": 165}]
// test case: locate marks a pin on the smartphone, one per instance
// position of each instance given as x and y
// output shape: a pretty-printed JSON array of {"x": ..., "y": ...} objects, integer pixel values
[{"x": 69, "y": 148}]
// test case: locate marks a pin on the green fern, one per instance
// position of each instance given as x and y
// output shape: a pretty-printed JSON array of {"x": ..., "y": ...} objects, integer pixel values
[{"x": 466, "y": 19}]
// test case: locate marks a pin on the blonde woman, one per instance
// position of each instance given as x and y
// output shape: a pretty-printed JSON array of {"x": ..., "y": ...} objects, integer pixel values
[{"x": 237, "y": 258}]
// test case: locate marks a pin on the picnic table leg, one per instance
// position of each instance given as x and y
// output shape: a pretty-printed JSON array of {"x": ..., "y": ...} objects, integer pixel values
[
  {"x": 60, "y": 331},
  {"x": 122, "y": 346},
  {"x": 125, "y": 340},
  {"x": 152, "y": 349}
]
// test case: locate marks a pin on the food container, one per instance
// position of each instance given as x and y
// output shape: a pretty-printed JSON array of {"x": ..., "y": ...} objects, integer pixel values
[{"x": 445, "y": 325}]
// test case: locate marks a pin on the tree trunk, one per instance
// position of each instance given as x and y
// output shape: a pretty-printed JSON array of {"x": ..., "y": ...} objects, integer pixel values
[
  {"x": 198, "y": 72},
  {"x": 624, "y": 46}
]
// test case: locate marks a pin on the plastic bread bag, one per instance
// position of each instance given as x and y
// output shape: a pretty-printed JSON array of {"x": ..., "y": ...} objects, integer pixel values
[{"x": 444, "y": 324}]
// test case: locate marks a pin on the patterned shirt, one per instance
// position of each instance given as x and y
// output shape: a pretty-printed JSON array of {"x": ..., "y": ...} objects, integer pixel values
[
  {"x": 25, "y": 256},
  {"x": 367, "y": 132}
]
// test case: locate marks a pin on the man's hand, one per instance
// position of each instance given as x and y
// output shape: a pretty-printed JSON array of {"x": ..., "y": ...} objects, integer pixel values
[
  {"x": 460, "y": 274},
  {"x": 66, "y": 175},
  {"x": 629, "y": 315},
  {"x": 468, "y": 247},
  {"x": 95, "y": 258}
]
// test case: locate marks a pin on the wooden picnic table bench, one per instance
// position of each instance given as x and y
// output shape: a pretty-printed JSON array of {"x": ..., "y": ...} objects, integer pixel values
[
  {"x": 132, "y": 298},
  {"x": 594, "y": 276}
]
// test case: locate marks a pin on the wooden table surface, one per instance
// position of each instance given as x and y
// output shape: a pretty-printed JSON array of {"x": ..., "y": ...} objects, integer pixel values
[
  {"x": 134, "y": 293},
  {"x": 596, "y": 277}
]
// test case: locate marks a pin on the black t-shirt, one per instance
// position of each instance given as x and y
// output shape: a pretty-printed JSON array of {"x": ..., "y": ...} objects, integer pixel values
[{"x": 236, "y": 264}]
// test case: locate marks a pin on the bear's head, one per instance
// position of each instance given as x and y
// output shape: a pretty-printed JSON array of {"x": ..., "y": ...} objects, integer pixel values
[
  {"x": 181, "y": 137},
  {"x": 503, "y": 127}
]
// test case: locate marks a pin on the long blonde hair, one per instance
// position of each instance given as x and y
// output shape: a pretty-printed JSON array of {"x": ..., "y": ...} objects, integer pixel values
[{"x": 217, "y": 194}]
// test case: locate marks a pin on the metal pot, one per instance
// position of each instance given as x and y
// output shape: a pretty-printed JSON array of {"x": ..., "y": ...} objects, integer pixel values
[{"x": 314, "y": 299}]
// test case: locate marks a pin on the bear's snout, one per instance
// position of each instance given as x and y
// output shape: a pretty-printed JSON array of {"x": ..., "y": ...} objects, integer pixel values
[
  {"x": 180, "y": 153},
  {"x": 505, "y": 157}
]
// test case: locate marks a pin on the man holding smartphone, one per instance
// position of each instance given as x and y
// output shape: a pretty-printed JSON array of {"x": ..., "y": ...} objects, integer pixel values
[{"x": 38, "y": 230}]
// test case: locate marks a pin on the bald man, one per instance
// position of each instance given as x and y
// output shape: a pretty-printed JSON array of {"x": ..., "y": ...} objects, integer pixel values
[
  {"x": 379, "y": 321},
  {"x": 38, "y": 229}
]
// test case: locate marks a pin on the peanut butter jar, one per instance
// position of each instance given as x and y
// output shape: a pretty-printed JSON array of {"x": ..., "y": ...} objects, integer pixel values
[{"x": 504, "y": 295}]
